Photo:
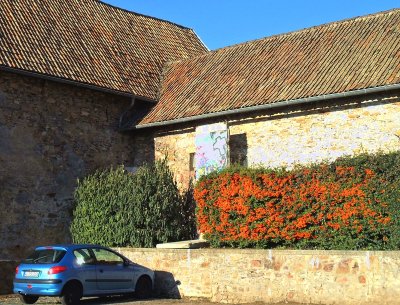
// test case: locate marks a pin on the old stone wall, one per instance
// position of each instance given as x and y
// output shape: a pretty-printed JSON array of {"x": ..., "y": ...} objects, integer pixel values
[
  {"x": 7, "y": 272},
  {"x": 324, "y": 134},
  {"x": 299, "y": 135},
  {"x": 177, "y": 146},
  {"x": 244, "y": 276},
  {"x": 50, "y": 135}
]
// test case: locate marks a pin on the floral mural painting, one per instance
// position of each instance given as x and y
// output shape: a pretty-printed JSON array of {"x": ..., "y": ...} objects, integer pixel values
[{"x": 211, "y": 148}]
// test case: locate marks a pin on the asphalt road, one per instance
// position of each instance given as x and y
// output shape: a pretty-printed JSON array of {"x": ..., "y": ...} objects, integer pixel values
[{"x": 14, "y": 300}]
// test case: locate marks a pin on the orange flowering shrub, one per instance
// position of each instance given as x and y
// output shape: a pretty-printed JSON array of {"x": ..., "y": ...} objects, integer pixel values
[{"x": 327, "y": 206}]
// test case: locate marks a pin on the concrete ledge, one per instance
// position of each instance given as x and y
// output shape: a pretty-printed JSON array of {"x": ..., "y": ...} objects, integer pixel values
[{"x": 186, "y": 244}]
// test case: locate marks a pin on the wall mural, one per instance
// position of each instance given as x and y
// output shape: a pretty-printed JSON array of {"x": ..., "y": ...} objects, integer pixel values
[{"x": 211, "y": 148}]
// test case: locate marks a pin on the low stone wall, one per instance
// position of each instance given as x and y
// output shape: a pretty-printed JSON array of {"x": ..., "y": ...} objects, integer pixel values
[
  {"x": 7, "y": 271},
  {"x": 243, "y": 276}
]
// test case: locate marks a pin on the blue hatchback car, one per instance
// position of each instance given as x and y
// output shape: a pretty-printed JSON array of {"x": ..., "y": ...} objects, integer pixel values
[{"x": 75, "y": 271}]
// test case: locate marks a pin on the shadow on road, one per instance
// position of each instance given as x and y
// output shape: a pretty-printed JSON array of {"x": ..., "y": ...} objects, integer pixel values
[
  {"x": 165, "y": 285},
  {"x": 111, "y": 300}
]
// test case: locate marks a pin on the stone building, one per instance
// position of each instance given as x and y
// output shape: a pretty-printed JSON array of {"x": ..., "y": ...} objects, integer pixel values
[
  {"x": 84, "y": 85},
  {"x": 307, "y": 96},
  {"x": 69, "y": 73}
]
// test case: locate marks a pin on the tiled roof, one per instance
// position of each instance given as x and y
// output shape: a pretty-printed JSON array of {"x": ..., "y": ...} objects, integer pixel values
[
  {"x": 338, "y": 57},
  {"x": 92, "y": 42}
]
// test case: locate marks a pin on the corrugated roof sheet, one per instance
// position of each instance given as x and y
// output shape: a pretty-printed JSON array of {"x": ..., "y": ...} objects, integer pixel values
[
  {"x": 338, "y": 57},
  {"x": 92, "y": 42}
]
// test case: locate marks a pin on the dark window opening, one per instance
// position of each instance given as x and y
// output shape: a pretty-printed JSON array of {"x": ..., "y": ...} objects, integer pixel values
[
  {"x": 191, "y": 162},
  {"x": 238, "y": 149}
]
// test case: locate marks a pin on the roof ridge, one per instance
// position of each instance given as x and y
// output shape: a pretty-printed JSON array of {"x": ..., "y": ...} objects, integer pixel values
[
  {"x": 372, "y": 15},
  {"x": 143, "y": 15},
  {"x": 332, "y": 23}
]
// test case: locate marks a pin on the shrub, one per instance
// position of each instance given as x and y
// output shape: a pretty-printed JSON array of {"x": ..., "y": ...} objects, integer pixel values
[
  {"x": 116, "y": 208},
  {"x": 350, "y": 204}
]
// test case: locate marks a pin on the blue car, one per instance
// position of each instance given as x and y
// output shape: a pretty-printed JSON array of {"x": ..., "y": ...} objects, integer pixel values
[{"x": 75, "y": 271}]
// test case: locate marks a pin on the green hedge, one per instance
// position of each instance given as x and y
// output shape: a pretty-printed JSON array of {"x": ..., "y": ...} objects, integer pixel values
[
  {"x": 352, "y": 203},
  {"x": 116, "y": 208}
]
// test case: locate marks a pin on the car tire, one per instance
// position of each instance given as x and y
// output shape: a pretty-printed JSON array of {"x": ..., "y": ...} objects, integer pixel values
[
  {"x": 144, "y": 288},
  {"x": 71, "y": 294},
  {"x": 28, "y": 299}
]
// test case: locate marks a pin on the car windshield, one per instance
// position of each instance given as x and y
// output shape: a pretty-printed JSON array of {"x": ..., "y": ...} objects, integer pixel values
[{"x": 45, "y": 256}]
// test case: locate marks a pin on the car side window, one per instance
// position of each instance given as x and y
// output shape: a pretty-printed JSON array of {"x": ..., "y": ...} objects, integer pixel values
[
  {"x": 83, "y": 257},
  {"x": 105, "y": 257}
]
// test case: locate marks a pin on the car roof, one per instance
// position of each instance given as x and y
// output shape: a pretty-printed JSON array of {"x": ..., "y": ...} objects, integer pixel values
[{"x": 68, "y": 246}]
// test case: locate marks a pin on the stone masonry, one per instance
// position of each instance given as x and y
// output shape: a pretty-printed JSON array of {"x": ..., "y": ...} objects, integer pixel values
[
  {"x": 50, "y": 135},
  {"x": 302, "y": 135},
  {"x": 7, "y": 272},
  {"x": 177, "y": 147},
  {"x": 275, "y": 276}
]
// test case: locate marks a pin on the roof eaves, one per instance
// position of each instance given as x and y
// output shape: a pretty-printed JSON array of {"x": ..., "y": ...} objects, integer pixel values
[
  {"x": 279, "y": 104},
  {"x": 72, "y": 82}
]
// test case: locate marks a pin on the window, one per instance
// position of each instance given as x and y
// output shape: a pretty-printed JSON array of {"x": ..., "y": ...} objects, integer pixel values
[
  {"x": 45, "y": 256},
  {"x": 106, "y": 257},
  {"x": 83, "y": 257},
  {"x": 238, "y": 149}
]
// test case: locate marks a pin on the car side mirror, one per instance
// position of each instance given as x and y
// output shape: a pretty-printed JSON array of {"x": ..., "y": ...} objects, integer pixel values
[{"x": 126, "y": 264}]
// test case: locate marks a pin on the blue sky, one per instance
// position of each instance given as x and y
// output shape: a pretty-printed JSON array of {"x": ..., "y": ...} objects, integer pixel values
[{"x": 220, "y": 23}]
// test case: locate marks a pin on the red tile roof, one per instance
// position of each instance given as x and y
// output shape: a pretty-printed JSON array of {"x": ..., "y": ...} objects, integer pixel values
[
  {"x": 338, "y": 57},
  {"x": 92, "y": 42}
]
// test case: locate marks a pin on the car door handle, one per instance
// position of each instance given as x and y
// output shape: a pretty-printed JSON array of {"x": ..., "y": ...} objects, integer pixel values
[{"x": 101, "y": 270}]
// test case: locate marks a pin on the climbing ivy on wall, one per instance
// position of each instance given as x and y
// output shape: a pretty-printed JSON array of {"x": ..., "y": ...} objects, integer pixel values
[{"x": 352, "y": 203}]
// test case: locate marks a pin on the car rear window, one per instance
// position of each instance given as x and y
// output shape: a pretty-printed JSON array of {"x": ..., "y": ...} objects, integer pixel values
[{"x": 45, "y": 256}]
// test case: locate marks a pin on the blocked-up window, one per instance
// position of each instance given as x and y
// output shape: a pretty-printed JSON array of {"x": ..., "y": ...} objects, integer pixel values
[{"x": 211, "y": 148}]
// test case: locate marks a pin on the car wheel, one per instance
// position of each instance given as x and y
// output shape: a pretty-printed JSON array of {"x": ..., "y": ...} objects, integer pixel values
[
  {"x": 143, "y": 288},
  {"x": 28, "y": 299},
  {"x": 71, "y": 294}
]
